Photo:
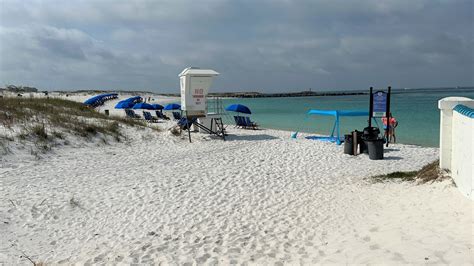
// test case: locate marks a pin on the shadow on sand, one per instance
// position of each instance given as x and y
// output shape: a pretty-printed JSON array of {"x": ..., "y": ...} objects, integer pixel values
[
  {"x": 393, "y": 158},
  {"x": 249, "y": 137}
]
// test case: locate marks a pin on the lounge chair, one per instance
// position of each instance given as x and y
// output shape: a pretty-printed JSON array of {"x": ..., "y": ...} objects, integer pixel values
[
  {"x": 240, "y": 122},
  {"x": 177, "y": 115},
  {"x": 131, "y": 114},
  {"x": 149, "y": 118},
  {"x": 237, "y": 121},
  {"x": 249, "y": 123},
  {"x": 160, "y": 114},
  {"x": 244, "y": 122},
  {"x": 185, "y": 123}
]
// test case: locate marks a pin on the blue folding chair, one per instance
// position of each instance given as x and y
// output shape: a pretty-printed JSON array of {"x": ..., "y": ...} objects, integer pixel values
[
  {"x": 149, "y": 118},
  {"x": 176, "y": 115}
]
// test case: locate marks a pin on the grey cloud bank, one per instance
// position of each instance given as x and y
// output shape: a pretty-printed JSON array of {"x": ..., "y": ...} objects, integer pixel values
[{"x": 268, "y": 46}]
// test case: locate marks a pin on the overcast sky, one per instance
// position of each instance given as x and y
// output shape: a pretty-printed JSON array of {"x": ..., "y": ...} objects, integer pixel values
[{"x": 266, "y": 46}]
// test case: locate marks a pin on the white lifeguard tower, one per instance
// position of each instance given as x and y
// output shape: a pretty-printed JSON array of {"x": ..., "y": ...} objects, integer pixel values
[{"x": 195, "y": 83}]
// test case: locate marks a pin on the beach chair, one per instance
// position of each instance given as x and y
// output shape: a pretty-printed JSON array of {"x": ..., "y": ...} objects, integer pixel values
[
  {"x": 131, "y": 114},
  {"x": 242, "y": 122},
  {"x": 177, "y": 115},
  {"x": 185, "y": 123},
  {"x": 249, "y": 123},
  {"x": 160, "y": 114},
  {"x": 236, "y": 119},
  {"x": 149, "y": 118}
]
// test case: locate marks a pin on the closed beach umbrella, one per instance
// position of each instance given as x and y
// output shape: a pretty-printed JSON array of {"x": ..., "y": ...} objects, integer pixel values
[
  {"x": 238, "y": 108},
  {"x": 157, "y": 106},
  {"x": 143, "y": 106},
  {"x": 172, "y": 106}
]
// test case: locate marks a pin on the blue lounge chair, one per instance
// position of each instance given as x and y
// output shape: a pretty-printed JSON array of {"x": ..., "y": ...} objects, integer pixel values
[
  {"x": 237, "y": 121},
  {"x": 176, "y": 115},
  {"x": 185, "y": 123},
  {"x": 160, "y": 114},
  {"x": 241, "y": 122},
  {"x": 244, "y": 122},
  {"x": 149, "y": 118},
  {"x": 131, "y": 114},
  {"x": 249, "y": 123}
]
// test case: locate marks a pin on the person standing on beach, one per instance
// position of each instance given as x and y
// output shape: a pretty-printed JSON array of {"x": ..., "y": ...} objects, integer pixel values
[{"x": 389, "y": 127}]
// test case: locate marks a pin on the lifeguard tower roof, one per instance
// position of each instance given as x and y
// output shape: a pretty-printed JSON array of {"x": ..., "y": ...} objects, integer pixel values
[{"x": 195, "y": 71}]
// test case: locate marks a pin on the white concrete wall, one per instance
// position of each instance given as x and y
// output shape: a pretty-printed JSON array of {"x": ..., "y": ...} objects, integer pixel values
[
  {"x": 462, "y": 160},
  {"x": 457, "y": 143}
]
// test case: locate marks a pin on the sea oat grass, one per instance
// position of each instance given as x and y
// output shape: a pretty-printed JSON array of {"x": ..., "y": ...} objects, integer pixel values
[
  {"x": 36, "y": 115},
  {"x": 429, "y": 173}
]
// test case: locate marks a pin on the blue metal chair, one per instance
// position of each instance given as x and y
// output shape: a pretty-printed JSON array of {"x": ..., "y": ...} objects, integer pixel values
[{"x": 149, "y": 118}]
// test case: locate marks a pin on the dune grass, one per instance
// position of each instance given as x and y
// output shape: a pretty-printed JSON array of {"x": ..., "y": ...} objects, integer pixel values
[
  {"x": 47, "y": 119},
  {"x": 429, "y": 173}
]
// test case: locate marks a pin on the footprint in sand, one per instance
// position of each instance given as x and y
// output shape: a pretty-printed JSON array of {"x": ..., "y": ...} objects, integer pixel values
[
  {"x": 374, "y": 247},
  {"x": 374, "y": 229}
]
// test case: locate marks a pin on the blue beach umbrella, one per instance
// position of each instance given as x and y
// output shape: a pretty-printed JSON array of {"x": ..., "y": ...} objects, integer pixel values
[
  {"x": 92, "y": 100},
  {"x": 239, "y": 108},
  {"x": 172, "y": 106},
  {"x": 128, "y": 103},
  {"x": 124, "y": 105},
  {"x": 157, "y": 106},
  {"x": 134, "y": 99},
  {"x": 143, "y": 106}
]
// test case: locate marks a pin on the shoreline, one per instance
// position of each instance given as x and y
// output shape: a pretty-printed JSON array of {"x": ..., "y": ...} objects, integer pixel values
[{"x": 320, "y": 134}]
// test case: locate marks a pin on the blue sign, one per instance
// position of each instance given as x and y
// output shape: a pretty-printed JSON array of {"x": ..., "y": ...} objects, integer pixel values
[{"x": 379, "y": 104}]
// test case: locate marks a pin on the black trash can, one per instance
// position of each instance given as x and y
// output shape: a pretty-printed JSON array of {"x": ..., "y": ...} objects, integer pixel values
[
  {"x": 106, "y": 112},
  {"x": 371, "y": 133},
  {"x": 348, "y": 144},
  {"x": 375, "y": 148},
  {"x": 363, "y": 147},
  {"x": 360, "y": 142}
]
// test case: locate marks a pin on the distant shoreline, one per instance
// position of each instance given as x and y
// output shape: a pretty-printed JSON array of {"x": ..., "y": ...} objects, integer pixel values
[
  {"x": 277, "y": 95},
  {"x": 249, "y": 94}
]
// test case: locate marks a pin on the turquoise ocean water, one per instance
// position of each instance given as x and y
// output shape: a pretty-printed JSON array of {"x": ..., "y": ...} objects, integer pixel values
[{"x": 415, "y": 109}]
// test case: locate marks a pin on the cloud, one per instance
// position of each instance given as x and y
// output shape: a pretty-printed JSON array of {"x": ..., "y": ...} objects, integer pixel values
[{"x": 256, "y": 45}]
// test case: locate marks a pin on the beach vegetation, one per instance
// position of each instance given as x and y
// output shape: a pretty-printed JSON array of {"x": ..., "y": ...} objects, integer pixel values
[
  {"x": 45, "y": 121},
  {"x": 429, "y": 173},
  {"x": 4, "y": 150},
  {"x": 39, "y": 131},
  {"x": 404, "y": 176}
]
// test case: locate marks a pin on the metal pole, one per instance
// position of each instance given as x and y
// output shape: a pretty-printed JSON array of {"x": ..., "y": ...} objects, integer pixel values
[
  {"x": 388, "y": 116},
  {"x": 371, "y": 107},
  {"x": 354, "y": 142}
]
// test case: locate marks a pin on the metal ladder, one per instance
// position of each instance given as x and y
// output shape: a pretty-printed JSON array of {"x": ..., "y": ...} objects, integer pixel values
[{"x": 215, "y": 105}]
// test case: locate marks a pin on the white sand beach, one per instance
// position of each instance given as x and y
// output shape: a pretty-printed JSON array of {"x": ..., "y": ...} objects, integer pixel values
[{"x": 259, "y": 197}]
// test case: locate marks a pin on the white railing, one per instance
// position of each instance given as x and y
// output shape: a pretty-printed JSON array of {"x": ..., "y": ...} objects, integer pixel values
[{"x": 457, "y": 141}]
